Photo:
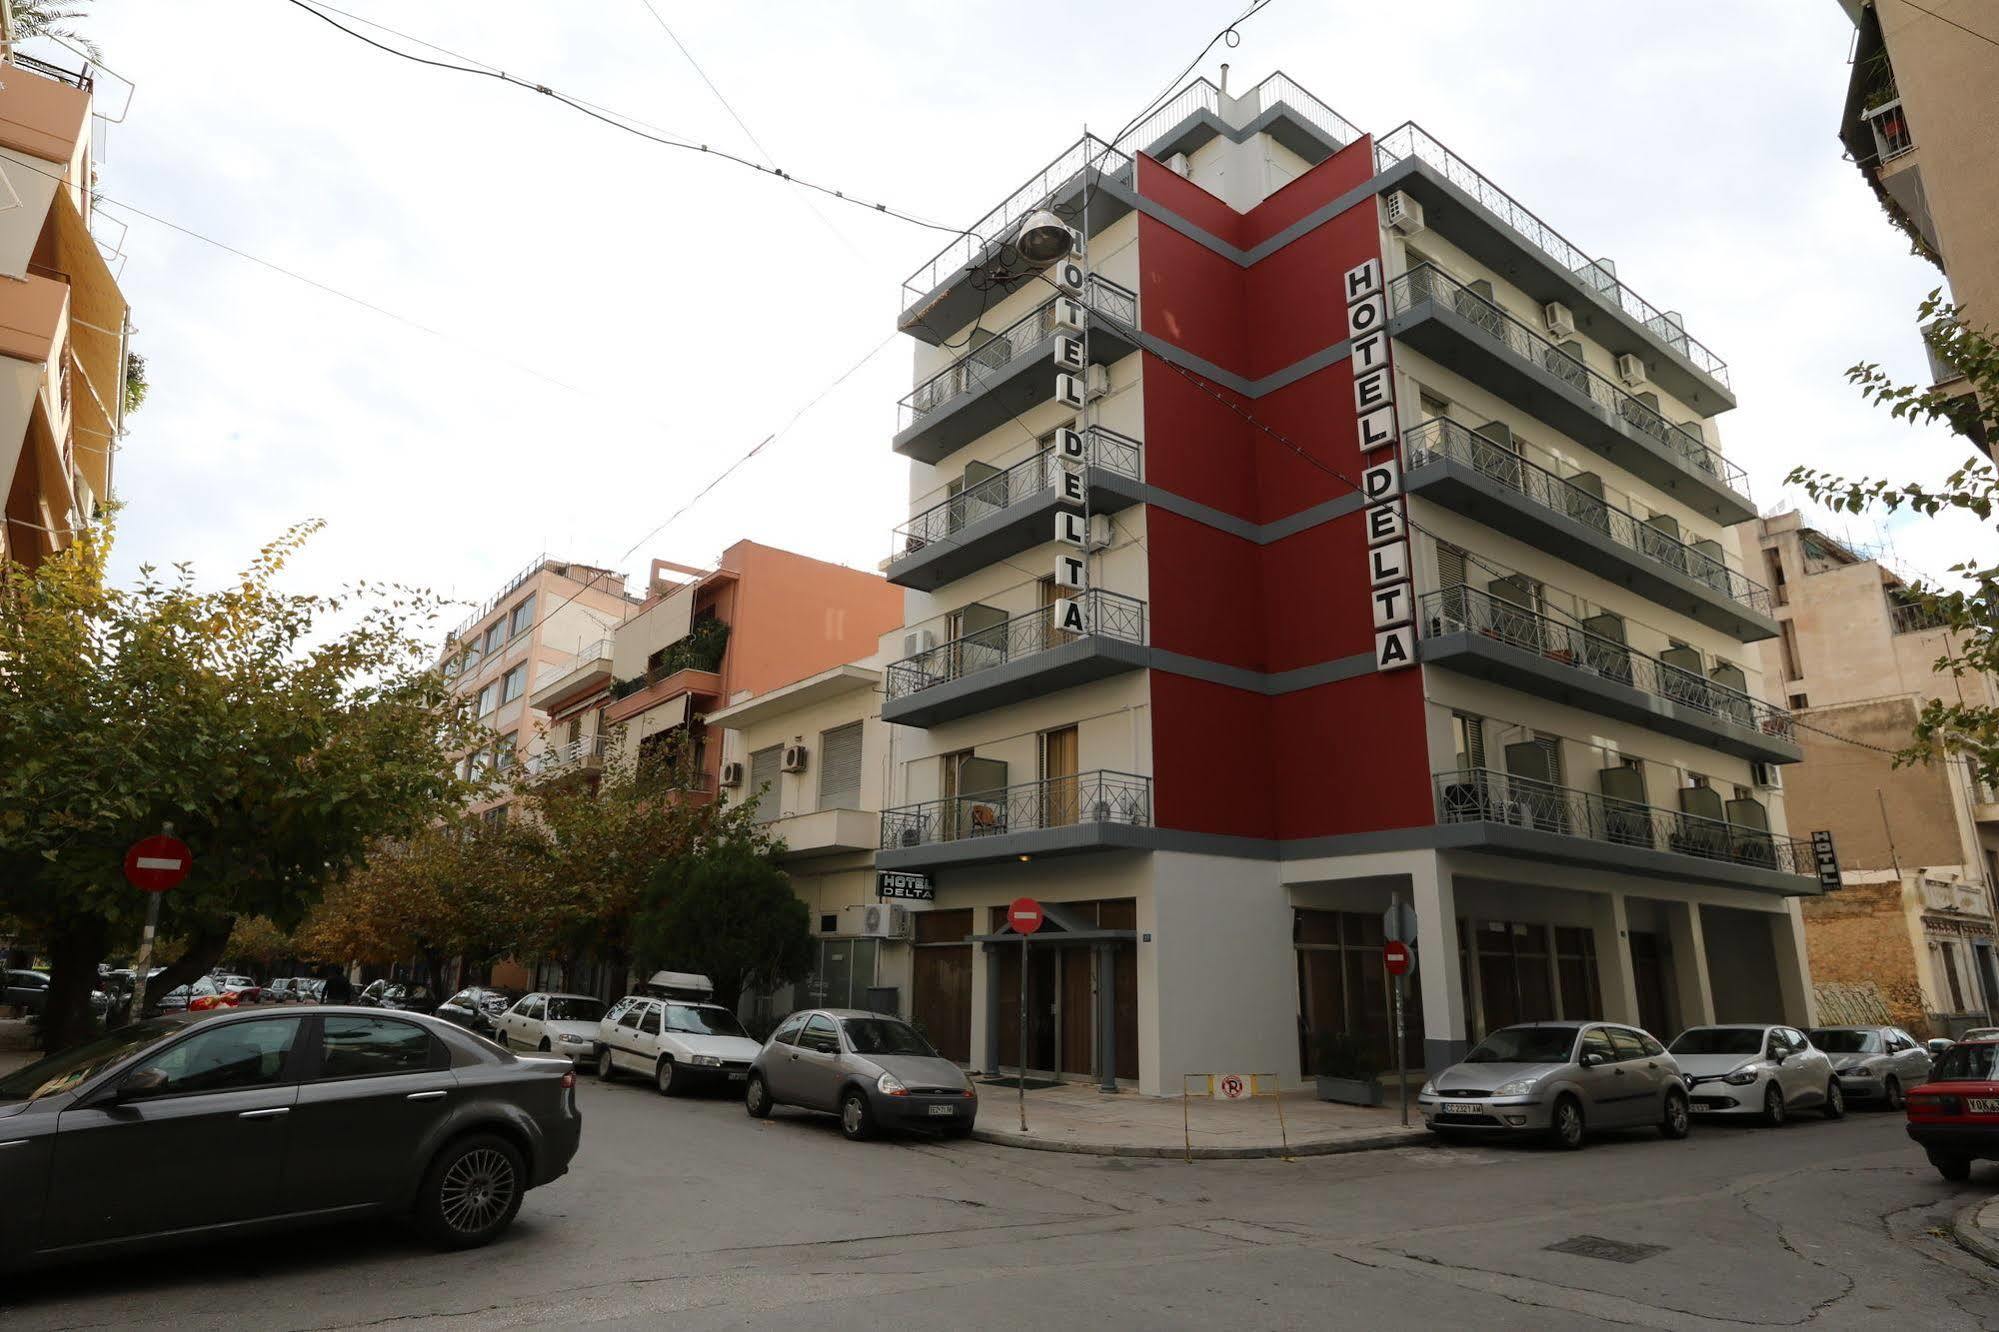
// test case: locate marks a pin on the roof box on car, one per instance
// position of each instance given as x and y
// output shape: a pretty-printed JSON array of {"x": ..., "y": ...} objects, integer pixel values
[{"x": 679, "y": 985}]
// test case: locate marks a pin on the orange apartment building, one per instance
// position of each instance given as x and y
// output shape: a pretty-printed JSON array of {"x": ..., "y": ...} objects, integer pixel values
[{"x": 64, "y": 324}]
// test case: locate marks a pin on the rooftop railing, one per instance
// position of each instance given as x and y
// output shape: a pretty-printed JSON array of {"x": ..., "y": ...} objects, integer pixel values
[
  {"x": 1106, "y": 615},
  {"x": 1278, "y": 87},
  {"x": 1412, "y": 140},
  {"x": 976, "y": 368},
  {"x": 1426, "y": 282},
  {"x": 487, "y": 607},
  {"x": 1053, "y": 802},
  {"x": 1483, "y": 795},
  {"x": 1101, "y": 448},
  {"x": 1443, "y": 438},
  {"x": 1466, "y": 610},
  {"x": 1914, "y": 617}
]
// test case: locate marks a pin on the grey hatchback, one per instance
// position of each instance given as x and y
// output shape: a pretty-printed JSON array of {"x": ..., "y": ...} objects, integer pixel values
[
  {"x": 1559, "y": 1079},
  {"x": 872, "y": 1071}
]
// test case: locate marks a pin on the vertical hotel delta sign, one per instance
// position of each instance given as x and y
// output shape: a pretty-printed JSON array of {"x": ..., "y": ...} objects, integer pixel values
[
  {"x": 1072, "y": 391},
  {"x": 1389, "y": 590}
]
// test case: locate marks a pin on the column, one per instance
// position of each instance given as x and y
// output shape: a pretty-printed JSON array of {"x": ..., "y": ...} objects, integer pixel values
[
  {"x": 1690, "y": 979},
  {"x": 1107, "y": 1017},
  {"x": 1437, "y": 968},
  {"x": 986, "y": 1016},
  {"x": 1794, "y": 972},
  {"x": 1613, "y": 958}
]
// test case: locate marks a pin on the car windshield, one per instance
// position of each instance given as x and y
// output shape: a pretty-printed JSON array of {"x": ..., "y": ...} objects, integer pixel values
[
  {"x": 1980, "y": 1034},
  {"x": 1847, "y": 1042},
  {"x": 703, "y": 1021},
  {"x": 60, "y": 1072},
  {"x": 561, "y": 1009},
  {"x": 1524, "y": 1045},
  {"x": 1964, "y": 1063},
  {"x": 494, "y": 1001},
  {"x": 885, "y": 1036},
  {"x": 1719, "y": 1041}
]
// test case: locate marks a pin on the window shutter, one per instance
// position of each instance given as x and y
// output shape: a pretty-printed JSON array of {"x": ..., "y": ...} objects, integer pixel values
[
  {"x": 840, "y": 767},
  {"x": 764, "y": 770},
  {"x": 1450, "y": 566}
]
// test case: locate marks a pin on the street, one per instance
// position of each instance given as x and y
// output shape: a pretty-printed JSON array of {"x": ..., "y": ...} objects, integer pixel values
[{"x": 688, "y": 1208}]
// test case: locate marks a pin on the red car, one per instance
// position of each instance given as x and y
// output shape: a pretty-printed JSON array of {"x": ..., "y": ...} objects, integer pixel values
[{"x": 1955, "y": 1115}]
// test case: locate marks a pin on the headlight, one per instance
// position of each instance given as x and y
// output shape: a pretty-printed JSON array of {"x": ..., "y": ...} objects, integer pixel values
[
  {"x": 1517, "y": 1087},
  {"x": 1429, "y": 1089},
  {"x": 888, "y": 1086},
  {"x": 1741, "y": 1077},
  {"x": 571, "y": 1038},
  {"x": 706, "y": 1061}
]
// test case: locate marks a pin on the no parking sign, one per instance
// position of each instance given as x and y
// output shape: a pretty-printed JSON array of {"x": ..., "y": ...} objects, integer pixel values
[{"x": 1232, "y": 1086}]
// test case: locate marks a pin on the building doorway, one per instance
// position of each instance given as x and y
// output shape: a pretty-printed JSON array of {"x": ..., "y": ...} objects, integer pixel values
[{"x": 940, "y": 998}]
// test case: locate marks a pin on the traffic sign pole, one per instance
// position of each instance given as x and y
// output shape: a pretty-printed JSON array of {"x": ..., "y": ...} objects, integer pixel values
[
  {"x": 1025, "y": 915},
  {"x": 153, "y": 865},
  {"x": 1401, "y": 1060}
]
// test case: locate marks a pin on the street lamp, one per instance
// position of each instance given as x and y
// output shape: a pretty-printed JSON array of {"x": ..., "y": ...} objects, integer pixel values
[{"x": 1043, "y": 238}]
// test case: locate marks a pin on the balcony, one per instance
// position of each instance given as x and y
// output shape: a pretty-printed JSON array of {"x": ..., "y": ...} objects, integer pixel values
[
  {"x": 674, "y": 689},
  {"x": 564, "y": 762},
  {"x": 1007, "y": 374},
  {"x": 1475, "y": 475},
  {"x": 1505, "y": 815},
  {"x": 824, "y": 832},
  {"x": 1018, "y": 658},
  {"x": 585, "y": 673},
  {"x": 1478, "y": 634},
  {"x": 1009, "y": 512},
  {"x": 1466, "y": 332},
  {"x": 1056, "y": 816},
  {"x": 1915, "y": 617},
  {"x": 1491, "y": 225}
]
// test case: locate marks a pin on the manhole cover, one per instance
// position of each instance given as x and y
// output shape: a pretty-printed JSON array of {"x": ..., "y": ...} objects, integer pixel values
[{"x": 1610, "y": 1250}]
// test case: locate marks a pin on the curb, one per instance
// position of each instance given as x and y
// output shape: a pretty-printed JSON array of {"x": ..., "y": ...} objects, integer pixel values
[
  {"x": 1972, "y": 1236},
  {"x": 1371, "y": 1142}
]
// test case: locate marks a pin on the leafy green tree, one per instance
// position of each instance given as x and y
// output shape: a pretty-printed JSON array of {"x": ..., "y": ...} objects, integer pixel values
[
  {"x": 256, "y": 943},
  {"x": 728, "y": 912},
  {"x": 281, "y": 734}
]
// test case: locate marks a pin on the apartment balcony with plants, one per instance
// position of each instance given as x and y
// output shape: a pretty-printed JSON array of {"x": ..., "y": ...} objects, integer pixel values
[
  {"x": 1081, "y": 812},
  {"x": 677, "y": 676}
]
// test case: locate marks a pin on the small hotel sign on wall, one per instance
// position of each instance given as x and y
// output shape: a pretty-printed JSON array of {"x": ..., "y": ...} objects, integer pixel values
[{"x": 1389, "y": 589}]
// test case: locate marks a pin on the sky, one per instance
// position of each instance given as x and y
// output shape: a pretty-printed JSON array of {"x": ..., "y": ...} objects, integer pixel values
[{"x": 583, "y": 329}]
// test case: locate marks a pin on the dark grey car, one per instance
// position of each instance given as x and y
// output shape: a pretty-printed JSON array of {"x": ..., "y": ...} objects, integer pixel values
[
  {"x": 870, "y": 1070},
  {"x": 198, "y": 1127}
]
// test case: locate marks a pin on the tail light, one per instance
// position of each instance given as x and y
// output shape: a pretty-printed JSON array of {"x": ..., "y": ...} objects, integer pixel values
[{"x": 569, "y": 1080}]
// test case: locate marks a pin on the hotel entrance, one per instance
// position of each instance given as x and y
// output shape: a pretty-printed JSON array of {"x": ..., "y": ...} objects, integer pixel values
[{"x": 1082, "y": 993}]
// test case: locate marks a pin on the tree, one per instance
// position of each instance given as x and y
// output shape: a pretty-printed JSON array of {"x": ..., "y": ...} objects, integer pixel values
[
  {"x": 728, "y": 912},
  {"x": 280, "y": 733},
  {"x": 51, "y": 18},
  {"x": 256, "y": 943},
  {"x": 1944, "y": 730}
]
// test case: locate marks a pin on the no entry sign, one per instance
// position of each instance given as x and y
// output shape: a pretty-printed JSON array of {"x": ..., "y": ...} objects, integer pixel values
[
  {"x": 155, "y": 864},
  {"x": 1395, "y": 956},
  {"x": 1024, "y": 915}
]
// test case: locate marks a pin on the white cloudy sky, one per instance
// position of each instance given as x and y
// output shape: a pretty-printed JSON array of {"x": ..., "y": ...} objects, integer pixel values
[{"x": 693, "y": 308}]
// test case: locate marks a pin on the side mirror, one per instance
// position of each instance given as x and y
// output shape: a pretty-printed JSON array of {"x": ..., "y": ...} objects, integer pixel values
[
  {"x": 1590, "y": 1060},
  {"x": 142, "y": 1084}
]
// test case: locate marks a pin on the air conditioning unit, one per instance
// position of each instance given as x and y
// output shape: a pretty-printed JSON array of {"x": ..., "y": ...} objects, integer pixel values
[
  {"x": 875, "y": 920},
  {"x": 1097, "y": 382},
  {"x": 1764, "y": 774},
  {"x": 1631, "y": 370},
  {"x": 794, "y": 758},
  {"x": 732, "y": 774},
  {"x": 1177, "y": 164},
  {"x": 1403, "y": 213},
  {"x": 917, "y": 642},
  {"x": 1561, "y": 323}
]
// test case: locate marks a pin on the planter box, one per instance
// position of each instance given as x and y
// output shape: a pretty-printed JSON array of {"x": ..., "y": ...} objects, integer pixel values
[{"x": 1349, "y": 1091}]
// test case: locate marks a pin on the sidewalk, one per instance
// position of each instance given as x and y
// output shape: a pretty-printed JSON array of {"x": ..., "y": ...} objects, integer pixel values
[
  {"x": 1977, "y": 1228},
  {"x": 17, "y": 1044},
  {"x": 1076, "y": 1117}
]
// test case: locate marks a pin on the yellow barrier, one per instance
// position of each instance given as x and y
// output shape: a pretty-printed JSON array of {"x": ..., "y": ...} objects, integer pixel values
[{"x": 1230, "y": 1087}]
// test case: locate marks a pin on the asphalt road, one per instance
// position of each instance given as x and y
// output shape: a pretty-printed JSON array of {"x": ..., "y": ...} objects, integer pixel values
[{"x": 688, "y": 1210}]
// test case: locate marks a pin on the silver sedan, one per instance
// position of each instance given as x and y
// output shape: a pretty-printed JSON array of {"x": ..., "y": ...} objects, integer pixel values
[
  {"x": 1561, "y": 1080},
  {"x": 1874, "y": 1063}
]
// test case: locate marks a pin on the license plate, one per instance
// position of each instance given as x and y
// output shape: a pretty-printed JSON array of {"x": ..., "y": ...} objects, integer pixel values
[
  {"x": 944, "y": 1110},
  {"x": 739, "y": 1075},
  {"x": 1982, "y": 1105},
  {"x": 1463, "y": 1108}
]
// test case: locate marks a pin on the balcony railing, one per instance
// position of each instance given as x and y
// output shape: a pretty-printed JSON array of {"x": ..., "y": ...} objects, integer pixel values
[
  {"x": 1483, "y": 795},
  {"x": 1426, "y": 282},
  {"x": 560, "y": 758},
  {"x": 487, "y": 606},
  {"x": 976, "y": 368},
  {"x": 1107, "y": 615},
  {"x": 1101, "y": 448},
  {"x": 1053, "y": 802},
  {"x": 1446, "y": 439},
  {"x": 1459, "y": 610},
  {"x": 1411, "y": 140},
  {"x": 1914, "y": 617}
]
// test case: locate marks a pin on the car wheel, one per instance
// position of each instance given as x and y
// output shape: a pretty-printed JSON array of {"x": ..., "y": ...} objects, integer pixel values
[
  {"x": 1773, "y": 1106},
  {"x": 1676, "y": 1121},
  {"x": 662, "y": 1076},
  {"x": 1835, "y": 1100},
  {"x": 1565, "y": 1125},
  {"x": 857, "y": 1120},
  {"x": 756, "y": 1097},
  {"x": 471, "y": 1192},
  {"x": 1956, "y": 1169},
  {"x": 1891, "y": 1093},
  {"x": 543, "y": 1048},
  {"x": 606, "y": 1070}
]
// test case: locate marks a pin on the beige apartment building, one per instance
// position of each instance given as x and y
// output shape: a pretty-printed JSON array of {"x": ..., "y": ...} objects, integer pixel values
[
  {"x": 1922, "y": 124},
  {"x": 1918, "y": 846}
]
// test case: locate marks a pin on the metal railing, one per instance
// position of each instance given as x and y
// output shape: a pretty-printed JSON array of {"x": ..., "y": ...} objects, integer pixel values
[
  {"x": 1412, "y": 140},
  {"x": 1101, "y": 448},
  {"x": 1426, "y": 282},
  {"x": 1446, "y": 439},
  {"x": 1105, "y": 615},
  {"x": 1915, "y": 616},
  {"x": 557, "y": 758},
  {"x": 1278, "y": 87},
  {"x": 972, "y": 371},
  {"x": 79, "y": 79},
  {"x": 491, "y": 603},
  {"x": 1467, "y": 610},
  {"x": 1053, "y": 802},
  {"x": 1483, "y": 795},
  {"x": 583, "y": 656}
]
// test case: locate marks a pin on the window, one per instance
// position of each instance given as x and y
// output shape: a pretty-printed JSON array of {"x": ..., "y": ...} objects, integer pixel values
[
  {"x": 489, "y": 698},
  {"x": 523, "y": 617},
  {"x": 1650, "y": 1045},
  {"x": 513, "y": 683},
  {"x": 495, "y": 817},
  {"x": 495, "y": 634},
  {"x": 1787, "y": 639},
  {"x": 574, "y": 1008},
  {"x": 787, "y": 1030},
  {"x": 820, "y": 1035},
  {"x": 703, "y": 1020},
  {"x": 1597, "y": 1042},
  {"x": 764, "y": 771},
  {"x": 228, "y": 1058},
  {"x": 1798, "y": 702},
  {"x": 1626, "y": 1043},
  {"x": 633, "y": 1015},
  {"x": 359, "y": 1047},
  {"x": 845, "y": 970},
  {"x": 840, "y": 767},
  {"x": 649, "y": 1024},
  {"x": 1468, "y": 732},
  {"x": 503, "y": 753}
]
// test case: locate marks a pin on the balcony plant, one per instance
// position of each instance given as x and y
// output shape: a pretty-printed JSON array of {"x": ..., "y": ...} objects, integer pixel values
[{"x": 1345, "y": 1070}]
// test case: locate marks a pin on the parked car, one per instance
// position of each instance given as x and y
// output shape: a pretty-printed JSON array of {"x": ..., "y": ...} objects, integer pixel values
[
  {"x": 246, "y": 988},
  {"x": 401, "y": 996},
  {"x": 1981, "y": 1034},
  {"x": 1751, "y": 1069},
  {"x": 202, "y": 996},
  {"x": 312, "y": 989},
  {"x": 27, "y": 990},
  {"x": 872, "y": 1071},
  {"x": 1954, "y": 1116},
  {"x": 1561, "y": 1080},
  {"x": 676, "y": 1044},
  {"x": 1936, "y": 1045},
  {"x": 564, "y": 1024},
  {"x": 283, "y": 990},
  {"x": 1874, "y": 1063},
  {"x": 329, "y": 1114},
  {"x": 477, "y": 1008}
]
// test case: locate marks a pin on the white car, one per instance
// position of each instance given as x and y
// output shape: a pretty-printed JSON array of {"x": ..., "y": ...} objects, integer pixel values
[
  {"x": 1750, "y": 1069},
  {"x": 674, "y": 1042},
  {"x": 564, "y": 1024}
]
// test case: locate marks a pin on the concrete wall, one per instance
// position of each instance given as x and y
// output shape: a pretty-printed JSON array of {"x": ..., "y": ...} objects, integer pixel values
[
  {"x": 1742, "y": 966},
  {"x": 1864, "y": 798}
]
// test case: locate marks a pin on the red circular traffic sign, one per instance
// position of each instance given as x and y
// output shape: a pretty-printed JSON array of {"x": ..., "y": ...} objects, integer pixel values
[
  {"x": 1024, "y": 915},
  {"x": 155, "y": 864},
  {"x": 1395, "y": 956}
]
